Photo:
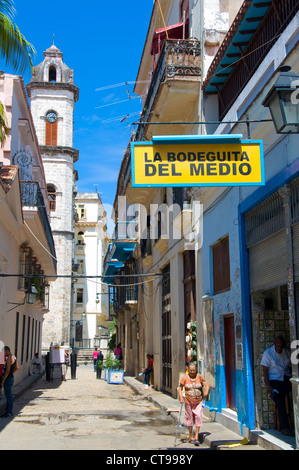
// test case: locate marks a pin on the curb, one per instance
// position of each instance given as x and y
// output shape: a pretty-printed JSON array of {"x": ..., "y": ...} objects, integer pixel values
[{"x": 20, "y": 388}]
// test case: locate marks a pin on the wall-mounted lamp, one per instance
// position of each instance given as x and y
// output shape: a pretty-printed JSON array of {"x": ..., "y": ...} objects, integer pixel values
[
  {"x": 206, "y": 297},
  {"x": 283, "y": 102},
  {"x": 98, "y": 294},
  {"x": 31, "y": 295}
]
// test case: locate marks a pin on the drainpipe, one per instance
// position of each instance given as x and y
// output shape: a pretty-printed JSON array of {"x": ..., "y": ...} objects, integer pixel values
[{"x": 285, "y": 194}]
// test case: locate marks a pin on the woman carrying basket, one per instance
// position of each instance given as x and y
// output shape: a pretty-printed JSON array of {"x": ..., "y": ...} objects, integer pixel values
[{"x": 196, "y": 389}]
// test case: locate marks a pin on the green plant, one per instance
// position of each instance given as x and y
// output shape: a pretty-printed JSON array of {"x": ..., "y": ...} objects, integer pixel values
[
  {"x": 111, "y": 363},
  {"x": 100, "y": 365}
]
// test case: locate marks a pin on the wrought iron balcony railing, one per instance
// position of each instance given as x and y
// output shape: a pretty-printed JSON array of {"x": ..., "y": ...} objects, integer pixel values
[
  {"x": 179, "y": 59},
  {"x": 32, "y": 197},
  {"x": 274, "y": 23}
]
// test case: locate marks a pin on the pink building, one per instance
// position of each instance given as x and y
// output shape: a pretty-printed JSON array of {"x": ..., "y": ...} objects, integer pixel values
[{"x": 26, "y": 244}]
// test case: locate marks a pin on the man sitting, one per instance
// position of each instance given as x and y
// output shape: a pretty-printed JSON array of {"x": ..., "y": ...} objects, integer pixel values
[{"x": 276, "y": 362}]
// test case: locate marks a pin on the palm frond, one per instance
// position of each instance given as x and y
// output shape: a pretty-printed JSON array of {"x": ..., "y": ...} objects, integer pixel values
[
  {"x": 14, "y": 47},
  {"x": 3, "y": 125},
  {"x": 7, "y": 8}
]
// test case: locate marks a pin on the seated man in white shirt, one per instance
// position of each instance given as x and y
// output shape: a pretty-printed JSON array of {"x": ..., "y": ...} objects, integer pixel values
[
  {"x": 276, "y": 362},
  {"x": 36, "y": 365}
]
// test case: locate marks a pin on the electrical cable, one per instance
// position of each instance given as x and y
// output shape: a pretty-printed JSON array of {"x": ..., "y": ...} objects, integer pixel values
[{"x": 79, "y": 276}]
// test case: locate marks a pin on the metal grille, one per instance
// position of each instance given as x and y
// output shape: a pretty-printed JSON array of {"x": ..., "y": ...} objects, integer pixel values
[
  {"x": 264, "y": 220},
  {"x": 295, "y": 201}
]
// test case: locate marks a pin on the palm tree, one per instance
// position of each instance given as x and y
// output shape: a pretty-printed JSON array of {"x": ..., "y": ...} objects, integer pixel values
[{"x": 14, "y": 49}]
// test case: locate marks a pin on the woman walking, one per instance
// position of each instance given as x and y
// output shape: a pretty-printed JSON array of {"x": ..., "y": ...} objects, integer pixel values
[
  {"x": 196, "y": 389},
  {"x": 10, "y": 367}
]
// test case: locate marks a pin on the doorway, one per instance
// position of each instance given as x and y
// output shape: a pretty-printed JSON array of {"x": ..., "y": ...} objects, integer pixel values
[{"x": 230, "y": 361}]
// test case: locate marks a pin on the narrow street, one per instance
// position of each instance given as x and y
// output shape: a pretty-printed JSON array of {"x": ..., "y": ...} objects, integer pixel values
[{"x": 88, "y": 414}]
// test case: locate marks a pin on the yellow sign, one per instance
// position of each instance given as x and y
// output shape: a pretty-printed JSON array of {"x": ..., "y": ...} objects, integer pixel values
[{"x": 168, "y": 163}]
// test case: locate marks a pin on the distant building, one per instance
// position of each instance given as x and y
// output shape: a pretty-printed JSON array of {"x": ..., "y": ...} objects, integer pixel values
[{"x": 90, "y": 302}]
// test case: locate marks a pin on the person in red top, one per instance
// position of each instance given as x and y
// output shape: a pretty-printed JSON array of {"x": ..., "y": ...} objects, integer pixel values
[
  {"x": 147, "y": 372},
  {"x": 196, "y": 389}
]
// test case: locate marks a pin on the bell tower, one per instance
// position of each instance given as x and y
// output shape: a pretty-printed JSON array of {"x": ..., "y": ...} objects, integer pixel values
[{"x": 53, "y": 95}]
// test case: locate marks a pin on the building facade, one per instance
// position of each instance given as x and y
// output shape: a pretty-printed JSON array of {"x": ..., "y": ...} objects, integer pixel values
[
  {"x": 91, "y": 298},
  {"x": 222, "y": 303},
  {"x": 256, "y": 298},
  {"x": 154, "y": 312},
  {"x": 27, "y": 250},
  {"x": 53, "y": 95}
]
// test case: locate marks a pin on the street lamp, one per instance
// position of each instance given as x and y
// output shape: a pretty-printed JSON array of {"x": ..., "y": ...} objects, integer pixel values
[
  {"x": 31, "y": 295},
  {"x": 283, "y": 102}
]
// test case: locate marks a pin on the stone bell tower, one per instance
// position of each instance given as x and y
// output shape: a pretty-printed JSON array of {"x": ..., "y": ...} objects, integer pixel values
[{"x": 53, "y": 95}]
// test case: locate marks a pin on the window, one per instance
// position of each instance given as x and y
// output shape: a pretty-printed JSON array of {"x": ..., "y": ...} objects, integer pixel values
[
  {"x": 221, "y": 266},
  {"x": 81, "y": 211},
  {"x": 184, "y": 7},
  {"x": 52, "y": 74},
  {"x": 80, "y": 238},
  {"x": 80, "y": 266},
  {"x": 52, "y": 197},
  {"x": 51, "y": 133},
  {"x": 79, "y": 295},
  {"x": 17, "y": 334}
]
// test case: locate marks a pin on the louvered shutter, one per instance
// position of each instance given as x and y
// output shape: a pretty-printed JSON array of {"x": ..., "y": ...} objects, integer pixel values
[
  {"x": 268, "y": 262},
  {"x": 51, "y": 133}
]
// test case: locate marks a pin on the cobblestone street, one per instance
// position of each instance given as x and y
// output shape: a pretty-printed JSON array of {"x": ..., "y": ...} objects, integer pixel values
[{"x": 86, "y": 414}]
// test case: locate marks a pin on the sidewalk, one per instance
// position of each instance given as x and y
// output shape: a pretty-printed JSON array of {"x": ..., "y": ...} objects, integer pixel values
[
  {"x": 215, "y": 435},
  {"x": 19, "y": 389}
]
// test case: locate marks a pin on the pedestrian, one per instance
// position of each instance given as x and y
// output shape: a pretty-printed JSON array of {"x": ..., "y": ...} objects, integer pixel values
[
  {"x": 196, "y": 389},
  {"x": 36, "y": 365},
  {"x": 100, "y": 359},
  {"x": 148, "y": 370},
  {"x": 276, "y": 362},
  {"x": 10, "y": 368},
  {"x": 95, "y": 358},
  {"x": 64, "y": 367},
  {"x": 118, "y": 352}
]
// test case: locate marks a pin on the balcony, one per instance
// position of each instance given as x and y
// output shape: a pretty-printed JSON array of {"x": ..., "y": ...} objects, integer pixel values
[
  {"x": 124, "y": 240},
  {"x": 253, "y": 33},
  {"x": 175, "y": 85},
  {"x": 39, "y": 229}
]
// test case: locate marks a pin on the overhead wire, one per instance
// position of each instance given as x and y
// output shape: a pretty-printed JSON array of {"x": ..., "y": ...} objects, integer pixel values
[{"x": 78, "y": 276}]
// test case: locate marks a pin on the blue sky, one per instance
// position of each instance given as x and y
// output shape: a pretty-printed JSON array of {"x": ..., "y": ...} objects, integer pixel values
[{"x": 103, "y": 43}]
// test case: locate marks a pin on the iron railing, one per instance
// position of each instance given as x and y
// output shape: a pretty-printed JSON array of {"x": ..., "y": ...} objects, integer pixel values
[
  {"x": 179, "y": 59},
  {"x": 32, "y": 197},
  {"x": 276, "y": 20}
]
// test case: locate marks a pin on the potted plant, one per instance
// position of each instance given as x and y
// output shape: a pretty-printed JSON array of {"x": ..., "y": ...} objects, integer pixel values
[{"x": 113, "y": 374}]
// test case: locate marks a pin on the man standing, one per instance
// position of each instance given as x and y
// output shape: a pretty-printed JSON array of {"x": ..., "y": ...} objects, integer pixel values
[
  {"x": 10, "y": 367},
  {"x": 276, "y": 362}
]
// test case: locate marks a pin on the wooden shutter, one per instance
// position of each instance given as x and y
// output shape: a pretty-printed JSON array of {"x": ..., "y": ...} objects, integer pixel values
[
  {"x": 221, "y": 266},
  {"x": 51, "y": 133}
]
